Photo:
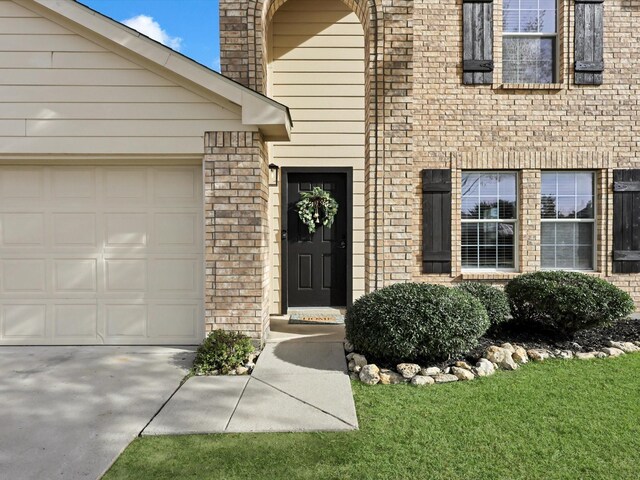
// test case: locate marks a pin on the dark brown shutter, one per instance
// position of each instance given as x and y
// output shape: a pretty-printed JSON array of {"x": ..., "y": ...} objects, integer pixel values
[
  {"x": 436, "y": 221},
  {"x": 626, "y": 221},
  {"x": 589, "y": 33},
  {"x": 477, "y": 58}
]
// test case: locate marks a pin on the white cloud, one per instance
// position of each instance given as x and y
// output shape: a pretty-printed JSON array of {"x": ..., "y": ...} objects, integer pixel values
[{"x": 152, "y": 29}]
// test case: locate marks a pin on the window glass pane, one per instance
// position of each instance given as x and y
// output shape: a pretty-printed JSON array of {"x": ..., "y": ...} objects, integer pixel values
[
  {"x": 566, "y": 207},
  {"x": 506, "y": 233},
  {"x": 566, "y": 183},
  {"x": 529, "y": 21},
  {"x": 506, "y": 257},
  {"x": 545, "y": 72},
  {"x": 547, "y": 4},
  {"x": 488, "y": 256},
  {"x": 470, "y": 257},
  {"x": 585, "y": 234},
  {"x": 510, "y": 21},
  {"x": 549, "y": 207},
  {"x": 507, "y": 184},
  {"x": 584, "y": 258},
  {"x": 548, "y": 234},
  {"x": 547, "y": 21},
  {"x": 489, "y": 208},
  {"x": 565, "y": 234},
  {"x": 548, "y": 256},
  {"x": 564, "y": 257},
  {"x": 469, "y": 233},
  {"x": 549, "y": 182},
  {"x": 584, "y": 183},
  {"x": 584, "y": 207},
  {"x": 487, "y": 234},
  {"x": 470, "y": 184},
  {"x": 510, "y": 4},
  {"x": 470, "y": 208},
  {"x": 507, "y": 208},
  {"x": 489, "y": 185},
  {"x": 528, "y": 60}
]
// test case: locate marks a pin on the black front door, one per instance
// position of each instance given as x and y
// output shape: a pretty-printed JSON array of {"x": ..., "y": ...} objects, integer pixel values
[{"x": 316, "y": 264}]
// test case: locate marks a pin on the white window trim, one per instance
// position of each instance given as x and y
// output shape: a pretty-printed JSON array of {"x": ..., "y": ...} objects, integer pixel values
[
  {"x": 593, "y": 220},
  {"x": 514, "y": 221},
  {"x": 554, "y": 35}
]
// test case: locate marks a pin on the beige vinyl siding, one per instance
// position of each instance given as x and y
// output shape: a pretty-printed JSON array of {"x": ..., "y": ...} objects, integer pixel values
[
  {"x": 62, "y": 93},
  {"x": 317, "y": 69}
]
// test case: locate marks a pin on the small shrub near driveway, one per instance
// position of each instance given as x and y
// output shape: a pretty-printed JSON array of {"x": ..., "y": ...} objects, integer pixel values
[
  {"x": 493, "y": 299},
  {"x": 415, "y": 321},
  {"x": 222, "y": 352},
  {"x": 566, "y": 302}
]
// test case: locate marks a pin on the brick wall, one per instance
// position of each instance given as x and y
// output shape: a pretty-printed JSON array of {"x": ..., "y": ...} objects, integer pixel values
[
  {"x": 236, "y": 242},
  {"x": 421, "y": 116},
  {"x": 523, "y": 127}
]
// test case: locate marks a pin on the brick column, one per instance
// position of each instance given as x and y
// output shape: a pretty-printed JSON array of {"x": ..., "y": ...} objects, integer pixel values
[
  {"x": 529, "y": 238},
  {"x": 236, "y": 229}
]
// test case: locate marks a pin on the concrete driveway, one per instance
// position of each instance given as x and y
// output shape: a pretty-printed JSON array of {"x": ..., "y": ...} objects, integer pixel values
[{"x": 68, "y": 412}]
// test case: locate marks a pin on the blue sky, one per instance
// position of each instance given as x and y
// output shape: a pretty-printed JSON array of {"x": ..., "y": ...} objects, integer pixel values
[{"x": 189, "y": 26}]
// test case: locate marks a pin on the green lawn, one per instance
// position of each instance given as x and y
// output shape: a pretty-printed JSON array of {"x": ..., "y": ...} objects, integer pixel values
[{"x": 557, "y": 420}]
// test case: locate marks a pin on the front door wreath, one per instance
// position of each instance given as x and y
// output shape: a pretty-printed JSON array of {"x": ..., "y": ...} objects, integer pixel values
[{"x": 317, "y": 207}]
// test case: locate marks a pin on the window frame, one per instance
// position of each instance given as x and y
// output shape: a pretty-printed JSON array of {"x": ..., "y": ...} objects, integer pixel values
[
  {"x": 594, "y": 221},
  {"x": 515, "y": 222},
  {"x": 556, "y": 50}
]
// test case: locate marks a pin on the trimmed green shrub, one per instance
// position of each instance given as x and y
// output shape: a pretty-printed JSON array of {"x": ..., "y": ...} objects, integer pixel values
[
  {"x": 222, "y": 352},
  {"x": 415, "y": 321},
  {"x": 494, "y": 300},
  {"x": 565, "y": 302}
]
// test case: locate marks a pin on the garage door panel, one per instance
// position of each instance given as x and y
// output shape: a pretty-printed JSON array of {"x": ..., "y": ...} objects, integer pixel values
[
  {"x": 101, "y": 254},
  {"x": 24, "y": 275},
  {"x": 173, "y": 320},
  {"x": 123, "y": 185},
  {"x": 75, "y": 321},
  {"x": 126, "y": 320},
  {"x": 20, "y": 184},
  {"x": 75, "y": 275},
  {"x": 125, "y": 229},
  {"x": 176, "y": 186},
  {"x": 24, "y": 321},
  {"x": 22, "y": 229},
  {"x": 74, "y": 230},
  {"x": 125, "y": 275},
  {"x": 179, "y": 275},
  {"x": 69, "y": 184},
  {"x": 177, "y": 230}
]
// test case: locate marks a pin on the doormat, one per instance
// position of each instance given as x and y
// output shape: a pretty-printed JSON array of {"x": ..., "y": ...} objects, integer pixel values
[{"x": 316, "y": 319}]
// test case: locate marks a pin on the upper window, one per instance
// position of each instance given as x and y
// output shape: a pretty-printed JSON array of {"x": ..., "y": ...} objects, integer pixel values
[
  {"x": 568, "y": 220},
  {"x": 489, "y": 218},
  {"x": 529, "y": 45}
]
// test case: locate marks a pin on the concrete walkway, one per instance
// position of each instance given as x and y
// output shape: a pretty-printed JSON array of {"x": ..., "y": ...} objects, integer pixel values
[{"x": 300, "y": 383}]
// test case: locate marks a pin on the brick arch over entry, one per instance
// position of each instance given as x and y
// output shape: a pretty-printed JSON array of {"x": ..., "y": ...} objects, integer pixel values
[{"x": 388, "y": 87}]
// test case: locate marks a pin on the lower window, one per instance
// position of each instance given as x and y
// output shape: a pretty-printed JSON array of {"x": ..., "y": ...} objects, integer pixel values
[
  {"x": 568, "y": 220},
  {"x": 489, "y": 220}
]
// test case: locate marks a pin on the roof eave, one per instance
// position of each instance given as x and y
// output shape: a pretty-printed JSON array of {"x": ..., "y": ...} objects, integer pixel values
[{"x": 272, "y": 118}]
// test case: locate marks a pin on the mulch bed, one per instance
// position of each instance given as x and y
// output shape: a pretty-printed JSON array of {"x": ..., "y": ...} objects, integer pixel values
[{"x": 584, "y": 341}]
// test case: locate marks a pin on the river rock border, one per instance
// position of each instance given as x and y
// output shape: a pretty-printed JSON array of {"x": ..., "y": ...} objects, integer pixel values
[{"x": 503, "y": 357}]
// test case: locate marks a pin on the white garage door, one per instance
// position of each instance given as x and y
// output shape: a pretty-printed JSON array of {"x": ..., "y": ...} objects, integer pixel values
[{"x": 101, "y": 255}]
